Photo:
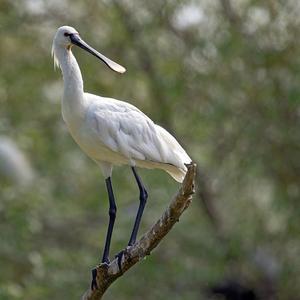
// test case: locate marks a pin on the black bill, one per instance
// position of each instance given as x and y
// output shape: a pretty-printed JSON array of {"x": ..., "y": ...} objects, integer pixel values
[{"x": 76, "y": 40}]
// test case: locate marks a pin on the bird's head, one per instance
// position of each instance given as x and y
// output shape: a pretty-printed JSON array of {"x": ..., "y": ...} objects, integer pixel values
[
  {"x": 67, "y": 36},
  {"x": 62, "y": 36}
]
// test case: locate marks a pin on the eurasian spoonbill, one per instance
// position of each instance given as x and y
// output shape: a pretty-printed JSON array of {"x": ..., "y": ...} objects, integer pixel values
[{"x": 112, "y": 132}]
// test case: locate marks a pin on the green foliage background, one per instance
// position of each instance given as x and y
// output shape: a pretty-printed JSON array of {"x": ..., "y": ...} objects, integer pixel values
[{"x": 223, "y": 77}]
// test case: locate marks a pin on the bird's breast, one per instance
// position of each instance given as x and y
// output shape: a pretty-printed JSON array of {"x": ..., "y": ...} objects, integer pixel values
[{"x": 90, "y": 143}]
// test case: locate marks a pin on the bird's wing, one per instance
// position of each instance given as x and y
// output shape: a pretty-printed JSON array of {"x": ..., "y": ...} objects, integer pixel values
[
  {"x": 172, "y": 150},
  {"x": 123, "y": 128}
]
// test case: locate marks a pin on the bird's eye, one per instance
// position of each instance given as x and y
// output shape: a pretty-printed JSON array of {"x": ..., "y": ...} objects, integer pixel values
[{"x": 66, "y": 34}]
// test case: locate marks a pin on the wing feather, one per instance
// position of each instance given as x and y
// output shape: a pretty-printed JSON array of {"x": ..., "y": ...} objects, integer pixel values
[{"x": 123, "y": 128}]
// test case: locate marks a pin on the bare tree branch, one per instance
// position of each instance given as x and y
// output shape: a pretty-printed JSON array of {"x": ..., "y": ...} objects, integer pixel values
[
  {"x": 107, "y": 274},
  {"x": 235, "y": 20},
  {"x": 229, "y": 12}
]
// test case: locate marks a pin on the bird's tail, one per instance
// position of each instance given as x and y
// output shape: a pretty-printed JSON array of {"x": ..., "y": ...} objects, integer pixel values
[
  {"x": 177, "y": 173},
  {"x": 173, "y": 155}
]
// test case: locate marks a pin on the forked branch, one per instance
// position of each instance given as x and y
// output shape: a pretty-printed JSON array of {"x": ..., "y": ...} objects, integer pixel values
[{"x": 107, "y": 274}]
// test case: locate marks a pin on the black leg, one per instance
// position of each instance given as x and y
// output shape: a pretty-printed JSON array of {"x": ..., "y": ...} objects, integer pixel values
[
  {"x": 143, "y": 200},
  {"x": 112, "y": 217}
]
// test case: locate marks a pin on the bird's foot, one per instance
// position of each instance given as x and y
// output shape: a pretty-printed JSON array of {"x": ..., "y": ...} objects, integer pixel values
[
  {"x": 94, "y": 285},
  {"x": 120, "y": 256}
]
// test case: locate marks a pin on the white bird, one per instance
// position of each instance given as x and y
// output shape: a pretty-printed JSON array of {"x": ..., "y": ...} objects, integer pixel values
[{"x": 112, "y": 132}]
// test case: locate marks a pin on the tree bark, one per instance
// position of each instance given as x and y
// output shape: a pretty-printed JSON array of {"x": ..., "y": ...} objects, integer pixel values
[{"x": 107, "y": 274}]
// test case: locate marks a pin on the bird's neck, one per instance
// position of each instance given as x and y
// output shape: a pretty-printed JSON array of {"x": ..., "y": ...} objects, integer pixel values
[{"x": 73, "y": 103}]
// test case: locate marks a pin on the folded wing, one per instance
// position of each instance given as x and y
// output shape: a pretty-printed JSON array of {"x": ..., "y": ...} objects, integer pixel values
[{"x": 126, "y": 130}]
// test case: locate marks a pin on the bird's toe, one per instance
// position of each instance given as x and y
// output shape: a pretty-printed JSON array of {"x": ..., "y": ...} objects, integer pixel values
[
  {"x": 94, "y": 285},
  {"x": 119, "y": 256}
]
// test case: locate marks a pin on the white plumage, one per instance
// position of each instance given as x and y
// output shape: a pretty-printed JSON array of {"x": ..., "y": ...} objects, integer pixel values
[{"x": 110, "y": 131}]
